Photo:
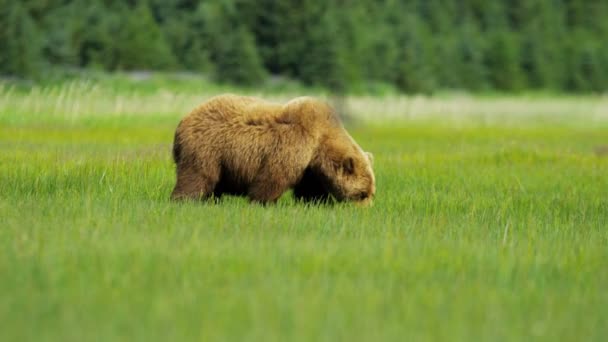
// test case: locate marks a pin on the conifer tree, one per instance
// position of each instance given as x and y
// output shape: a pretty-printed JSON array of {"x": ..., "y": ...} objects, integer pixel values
[
  {"x": 20, "y": 41},
  {"x": 232, "y": 46}
]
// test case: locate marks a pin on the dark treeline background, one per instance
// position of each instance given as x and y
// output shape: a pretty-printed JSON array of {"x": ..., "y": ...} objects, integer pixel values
[{"x": 415, "y": 46}]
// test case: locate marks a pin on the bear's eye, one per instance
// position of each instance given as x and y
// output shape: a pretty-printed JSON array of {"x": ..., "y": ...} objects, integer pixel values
[{"x": 349, "y": 165}]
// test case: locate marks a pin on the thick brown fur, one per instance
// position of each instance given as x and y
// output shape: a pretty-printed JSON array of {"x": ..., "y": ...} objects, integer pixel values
[{"x": 246, "y": 146}]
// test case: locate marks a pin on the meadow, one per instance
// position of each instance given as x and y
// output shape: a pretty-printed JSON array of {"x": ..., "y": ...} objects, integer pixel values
[{"x": 490, "y": 223}]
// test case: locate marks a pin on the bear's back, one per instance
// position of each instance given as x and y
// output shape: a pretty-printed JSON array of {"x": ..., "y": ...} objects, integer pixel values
[{"x": 234, "y": 108}]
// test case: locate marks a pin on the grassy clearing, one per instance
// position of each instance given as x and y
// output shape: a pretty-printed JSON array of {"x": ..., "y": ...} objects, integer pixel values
[{"x": 479, "y": 231}]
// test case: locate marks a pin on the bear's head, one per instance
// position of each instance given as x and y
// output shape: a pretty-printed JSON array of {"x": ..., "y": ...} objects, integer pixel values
[
  {"x": 344, "y": 169},
  {"x": 347, "y": 168}
]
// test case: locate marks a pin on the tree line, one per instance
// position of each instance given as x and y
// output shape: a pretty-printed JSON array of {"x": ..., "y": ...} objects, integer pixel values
[{"x": 414, "y": 46}]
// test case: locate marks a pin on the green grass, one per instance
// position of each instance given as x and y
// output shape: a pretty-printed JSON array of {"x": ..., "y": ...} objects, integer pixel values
[{"x": 478, "y": 232}]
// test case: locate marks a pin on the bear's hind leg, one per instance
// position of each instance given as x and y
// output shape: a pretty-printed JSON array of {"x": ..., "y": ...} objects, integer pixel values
[{"x": 192, "y": 184}]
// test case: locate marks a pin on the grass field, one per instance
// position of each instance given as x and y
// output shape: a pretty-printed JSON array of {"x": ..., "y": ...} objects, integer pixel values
[{"x": 480, "y": 231}]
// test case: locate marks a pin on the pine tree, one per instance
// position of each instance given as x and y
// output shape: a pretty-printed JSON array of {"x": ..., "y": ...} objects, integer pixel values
[
  {"x": 20, "y": 41},
  {"x": 541, "y": 27},
  {"x": 418, "y": 45},
  {"x": 140, "y": 43},
  {"x": 232, "y": 46},
  {"x": 503, "y": 61},
  {"x": 323, "y": 62},
  {"x": 183, "y": 28},
  {"x": 586, "y": 70},
  {"x": 413, "y": 70}
]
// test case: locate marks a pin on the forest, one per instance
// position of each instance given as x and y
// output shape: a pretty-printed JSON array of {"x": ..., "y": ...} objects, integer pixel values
[{"x": 418, "y": 46}]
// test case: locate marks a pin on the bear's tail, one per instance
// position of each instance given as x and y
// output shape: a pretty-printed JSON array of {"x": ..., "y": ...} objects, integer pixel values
[{"x": 177, "y": 148}]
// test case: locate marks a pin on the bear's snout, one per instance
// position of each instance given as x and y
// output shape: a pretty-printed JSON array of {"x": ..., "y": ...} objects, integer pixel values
[
  {"x": 363, "y": 198},
  {"x": 367, "y": 202}
]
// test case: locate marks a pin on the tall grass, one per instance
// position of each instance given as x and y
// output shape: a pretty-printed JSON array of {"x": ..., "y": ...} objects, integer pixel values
[
  {"x": 79, "y": 101},
  {"x": 480, "y": 230}
]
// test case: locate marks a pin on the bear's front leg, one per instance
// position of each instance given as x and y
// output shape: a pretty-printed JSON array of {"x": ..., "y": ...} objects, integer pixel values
[
  {"x": 267, "y": 187},
  {"x": 311, "y": 188}
]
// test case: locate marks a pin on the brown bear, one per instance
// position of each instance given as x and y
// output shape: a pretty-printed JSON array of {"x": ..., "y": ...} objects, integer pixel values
[{"x": 243, "y": 145}]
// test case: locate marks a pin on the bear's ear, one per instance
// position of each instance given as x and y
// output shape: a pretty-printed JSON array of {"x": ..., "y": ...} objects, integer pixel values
[
  {"x": 348, "y": 165},
  {"x": 370, "y": 157}
]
